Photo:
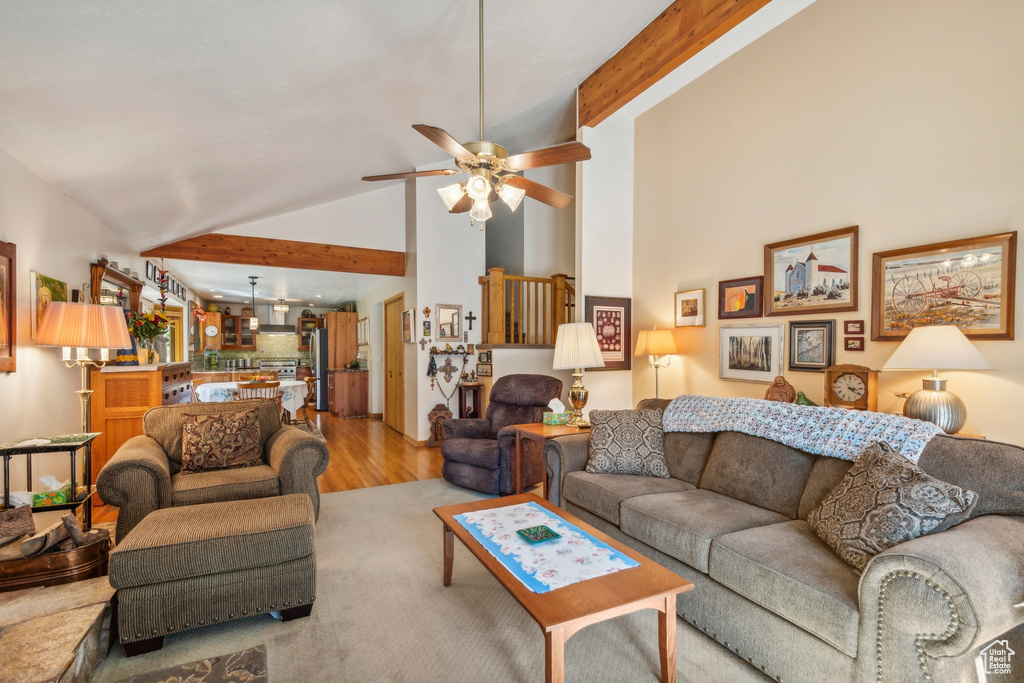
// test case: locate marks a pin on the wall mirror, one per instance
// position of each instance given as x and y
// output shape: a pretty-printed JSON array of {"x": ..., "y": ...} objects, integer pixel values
[{"x": 449, "y": 322}]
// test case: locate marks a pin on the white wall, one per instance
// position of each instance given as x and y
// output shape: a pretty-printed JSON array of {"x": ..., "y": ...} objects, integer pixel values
[
  {"x": 549, "y": 234},
  {"x": 908, "y": 128}
]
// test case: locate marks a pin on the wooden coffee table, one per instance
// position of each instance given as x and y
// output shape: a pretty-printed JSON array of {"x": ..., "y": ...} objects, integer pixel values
[{"x": 562, "y": 612}]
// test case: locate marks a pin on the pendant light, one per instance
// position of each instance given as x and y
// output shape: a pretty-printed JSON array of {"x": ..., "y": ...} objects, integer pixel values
[{"x": 254, "y": 322}]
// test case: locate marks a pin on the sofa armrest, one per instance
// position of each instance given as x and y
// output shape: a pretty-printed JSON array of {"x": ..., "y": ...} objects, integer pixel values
[
  {"x": 467, "y": 428},
  {"x": 137, "y": 479},
  {"x": 564, "y": 454},
  {"x": 299, "y": 458},
  {"x": 941, "y": 595}
]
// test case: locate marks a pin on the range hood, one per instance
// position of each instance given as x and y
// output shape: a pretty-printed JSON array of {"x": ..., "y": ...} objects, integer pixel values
[{"x": 276, "y": 329}]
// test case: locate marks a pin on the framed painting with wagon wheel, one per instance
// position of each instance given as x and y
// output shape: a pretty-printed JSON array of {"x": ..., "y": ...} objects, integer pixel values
[{"x": 968, "y": 283}]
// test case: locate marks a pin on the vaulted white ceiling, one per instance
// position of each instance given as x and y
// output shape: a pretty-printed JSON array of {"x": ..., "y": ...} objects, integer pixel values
[{"x": 171, "y": 119}]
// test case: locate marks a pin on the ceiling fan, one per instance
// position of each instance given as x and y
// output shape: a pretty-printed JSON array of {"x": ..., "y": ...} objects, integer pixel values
[{"x": 493, "y": 173}]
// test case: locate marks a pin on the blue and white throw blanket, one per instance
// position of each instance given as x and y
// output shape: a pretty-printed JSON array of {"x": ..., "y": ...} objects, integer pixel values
[{"x": 835, "y": 432}]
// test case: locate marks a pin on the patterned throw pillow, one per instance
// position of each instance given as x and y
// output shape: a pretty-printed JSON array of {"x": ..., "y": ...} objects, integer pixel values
[
  {"x": 218, "y": 441},
  {"x": 627, "y": 442},
  {"x": 884, "y": 500}
]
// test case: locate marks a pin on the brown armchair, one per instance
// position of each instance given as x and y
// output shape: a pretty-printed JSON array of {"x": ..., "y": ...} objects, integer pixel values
[
  {"x": 478, "y": 452},
  {"x": 144, "y": 476}
]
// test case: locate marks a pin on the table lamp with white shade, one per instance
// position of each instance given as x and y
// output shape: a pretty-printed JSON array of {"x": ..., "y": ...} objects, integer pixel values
[
  {"x": 658, "y": 346},
  {"x": 936, "y": 347},
  {"x": 576, "y": 348},
  {"x": 77, "y": 328}
]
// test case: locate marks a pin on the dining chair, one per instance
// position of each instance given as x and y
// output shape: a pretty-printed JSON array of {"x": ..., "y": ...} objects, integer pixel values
[
  {"x": 246, "y": 391},
  {"x": 308, "y": 401},
  {"x": 195, "y": 389}
]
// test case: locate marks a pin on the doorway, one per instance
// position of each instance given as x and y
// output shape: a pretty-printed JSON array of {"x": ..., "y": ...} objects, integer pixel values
[{"x": 394, "y": 364}]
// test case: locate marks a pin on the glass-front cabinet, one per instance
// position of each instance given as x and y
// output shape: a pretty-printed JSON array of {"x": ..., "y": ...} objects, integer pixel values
[
  {"x": 246, "y": 335},
  {"x": 306, "y": 327},
  {"x": 230, "y": 325}
]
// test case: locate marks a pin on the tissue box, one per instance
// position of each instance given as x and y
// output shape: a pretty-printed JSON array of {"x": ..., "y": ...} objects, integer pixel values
[
  {"x": 556, "y": 418},
  {"x": 45, "y": 498}
]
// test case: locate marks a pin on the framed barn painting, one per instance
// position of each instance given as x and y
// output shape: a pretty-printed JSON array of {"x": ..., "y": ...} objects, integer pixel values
[
  {"x": 750, "y": 353},
  {"x": 8, "y": 306},
  {"x": 812, "y": 345},
  {"x": 689, "y": 307},
  {"x": 610, "y": 317},
  {"x": 742, "y": 298},
  {"x": 968, "y": 283},
  {"x": 812, "y": 275}
]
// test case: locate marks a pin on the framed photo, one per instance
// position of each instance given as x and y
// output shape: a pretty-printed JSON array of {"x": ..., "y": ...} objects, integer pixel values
[
  {"x": 750, "y": 353},
  {"x": 969, "y": 283},
  {"x": 408, "y": 317},
  {"x": 150, "y": 271},
  {"x": 483, "y": 370},
  {"x": 812, "y": 345},
  {"x": 610, "y": 317},
  {"x": 471, "y": 348},
  {"x": 741, "y": 298},
  {"x": 484, "y": 357},
  {"x": 812, "y": 275},
  {"x": 426, "y": 329},
  {"x": 689, "y": 307},
  {"x": 855, "y": 343},
  {"x": 44, "y": 290},
  {"x": 853, "y": 327},
  {"x": 8, "y": 306}
]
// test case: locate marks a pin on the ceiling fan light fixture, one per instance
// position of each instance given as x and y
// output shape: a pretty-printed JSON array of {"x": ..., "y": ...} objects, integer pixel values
[
  {"x": 481, "y": 211},
  {"x": 451, "y": 194},
  {"x": 478, "y": 187},
  {"x": 511, "y": 195}
]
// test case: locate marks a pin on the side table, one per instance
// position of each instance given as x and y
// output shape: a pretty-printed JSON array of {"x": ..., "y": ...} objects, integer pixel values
[
  {"x": 70, "y": 443},
  {"x": 537, "y": 432},
  {"x": 469, "y": 390}
]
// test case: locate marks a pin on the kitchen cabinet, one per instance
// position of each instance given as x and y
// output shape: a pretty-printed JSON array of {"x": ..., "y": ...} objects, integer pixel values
[
  {"x": 212, "y": 376},
  {"x": 305, "y": 327},
  {"x": 351, "y": 393},
  {"x": 330, "y": 390},
  {"x": 302, "y": 372},
  {"x": 122, "y": 395},
  {"x": 246, "y": 335},
  {"x": 341, "y": 338},
  {"x": 229, "y": 333},
  {"x": 213, "y": 324}
]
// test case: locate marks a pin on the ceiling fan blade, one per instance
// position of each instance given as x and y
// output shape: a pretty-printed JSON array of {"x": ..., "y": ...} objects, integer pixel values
[
  {"x": 412, "y": 174},
  {"x": 445, "y": 142},
  {"x": 567, "y": 152},
  {"x": 463, "y": 205},
  {"x": 541, "y": 193}
]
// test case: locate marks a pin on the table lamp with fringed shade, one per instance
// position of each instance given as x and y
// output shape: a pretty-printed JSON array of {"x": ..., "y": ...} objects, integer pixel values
[
  {"x": 576, "y": 348},
  {"x": 656, "y": 344},
  {"x": 936, "y": 347},
  {"x": 77, "y": 328}
]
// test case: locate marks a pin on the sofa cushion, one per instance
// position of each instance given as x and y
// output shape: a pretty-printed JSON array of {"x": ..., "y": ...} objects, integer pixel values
[
  {"x": 476, "y": 452},
  {"x": 241, "y": 483},
  {"x": 788, "y": 570},
  {"x": 602, "y": 494},
  {"x": 202, "y": 540},
  {"x": 685, "y": 452},
  {"x": 220, "y": 441},
  {"x": 758, "y": 471},
  {"x": 884, "y": 500},
  {"x": 683, "y": 524},
  {"x": 627, "y": 442},
  {"x": 825, "y": 474}
]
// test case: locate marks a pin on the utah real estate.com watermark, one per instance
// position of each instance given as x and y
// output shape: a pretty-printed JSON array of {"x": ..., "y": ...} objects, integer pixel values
[{"x": 995, "y": 659}]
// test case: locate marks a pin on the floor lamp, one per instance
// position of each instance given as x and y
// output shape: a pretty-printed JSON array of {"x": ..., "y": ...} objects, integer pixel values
[
  {"x": 576, "y": 348},
  {"x": 654, "y": 344},
  {"x": 76, "y": 328}
]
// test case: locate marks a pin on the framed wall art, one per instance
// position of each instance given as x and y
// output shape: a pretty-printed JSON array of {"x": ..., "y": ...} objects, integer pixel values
[
  {"x": 854, "y": 343},
  {"x": 426, "y": 329},
  {"x": 610, "y": 317},
  {"x": 484, "y": 357},
  {"x": 483, "y": 369},
  {"x": 812, "y": 275},
  {"x": 44, "y": 290},
  {"x": 740, "y": 298},
  {"x": 853, "y": 326},
  {"x": 968, "y": 283},
  {"x": 689, "y": 307},
  {"x": 750, "y": 353},
  {"x": 408, "y": 316},
  {"x": 812, "y": 345},
  {"x": 8, "y": 306}
]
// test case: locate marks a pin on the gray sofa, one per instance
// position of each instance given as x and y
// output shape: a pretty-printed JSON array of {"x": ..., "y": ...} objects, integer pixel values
[{"x": 732, "y": 519}]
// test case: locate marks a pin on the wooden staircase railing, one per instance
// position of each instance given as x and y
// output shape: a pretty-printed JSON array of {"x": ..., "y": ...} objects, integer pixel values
[{"x": 524, "y": 310}]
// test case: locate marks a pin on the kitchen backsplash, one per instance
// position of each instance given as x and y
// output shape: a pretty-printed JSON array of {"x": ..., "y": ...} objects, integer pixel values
[{"x": 277, "y": 346}]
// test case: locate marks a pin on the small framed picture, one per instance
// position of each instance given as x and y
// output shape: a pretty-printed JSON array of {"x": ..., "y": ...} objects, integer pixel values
[
  {"x": 426, "y": 329},
  {"x": 750, "y": 353},
  {"x": 741, "y": 298},
  {"x": 812, "y": 345},
  {"x": 689, "y": 307},
  {"x": 855, "y": 343},
  {"x": 853, "y": 327},
  {"x": 407, "y": 322},
  {"x": 483, "y": 357},
  {"x": 483, "y": 369},
  {"x": 471, "y": 349}
]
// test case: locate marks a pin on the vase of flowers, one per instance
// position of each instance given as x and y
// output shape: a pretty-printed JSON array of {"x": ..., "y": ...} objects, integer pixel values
[{"x": 144, "y": 327}]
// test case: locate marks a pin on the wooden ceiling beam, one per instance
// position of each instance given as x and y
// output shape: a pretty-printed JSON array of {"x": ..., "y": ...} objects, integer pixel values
[
  {"x": 262, "y": 251},
  {"x": 676, "y": 35}
]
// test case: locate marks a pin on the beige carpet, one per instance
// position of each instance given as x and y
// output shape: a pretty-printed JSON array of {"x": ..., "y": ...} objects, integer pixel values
[{"x": 382, "y": 614}]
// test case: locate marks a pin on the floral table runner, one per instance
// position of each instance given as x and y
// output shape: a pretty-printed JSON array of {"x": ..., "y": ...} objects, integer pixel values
[{"x": 542, "y": 567}]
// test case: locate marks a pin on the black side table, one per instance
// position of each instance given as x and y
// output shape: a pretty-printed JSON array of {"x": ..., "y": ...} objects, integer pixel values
[
  {"x": 69, "y": 443},
  {"x": 467, "y": 391}
]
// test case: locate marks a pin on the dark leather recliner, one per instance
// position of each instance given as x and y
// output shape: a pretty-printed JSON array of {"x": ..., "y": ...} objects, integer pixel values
[{"x": 479, "y": 452}]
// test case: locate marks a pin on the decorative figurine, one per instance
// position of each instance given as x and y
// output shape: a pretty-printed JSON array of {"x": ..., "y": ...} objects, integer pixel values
[
  {"x": 802, "y": 400},
  {"x": 780, "y": 391}
]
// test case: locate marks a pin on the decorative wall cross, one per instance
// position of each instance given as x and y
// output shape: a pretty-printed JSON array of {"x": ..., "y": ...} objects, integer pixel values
[
  {"x": 423, "y": 344},
  {"x": 471, "y": 318},
  {"x": 448, "y": 369}
]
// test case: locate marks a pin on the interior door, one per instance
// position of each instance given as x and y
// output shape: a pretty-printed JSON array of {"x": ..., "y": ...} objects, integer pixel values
[{"x": 394, "y": 365}]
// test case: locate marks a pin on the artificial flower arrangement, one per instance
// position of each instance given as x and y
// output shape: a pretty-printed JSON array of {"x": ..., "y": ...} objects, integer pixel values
[{"x": 145, "y": 326}]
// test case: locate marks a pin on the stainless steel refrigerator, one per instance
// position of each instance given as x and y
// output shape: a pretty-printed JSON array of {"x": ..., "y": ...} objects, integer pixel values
[{"x": 318, "y": 355}]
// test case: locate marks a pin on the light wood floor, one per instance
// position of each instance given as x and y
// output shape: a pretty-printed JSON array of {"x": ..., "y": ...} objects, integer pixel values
[{"x": 364, "y": 453}]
